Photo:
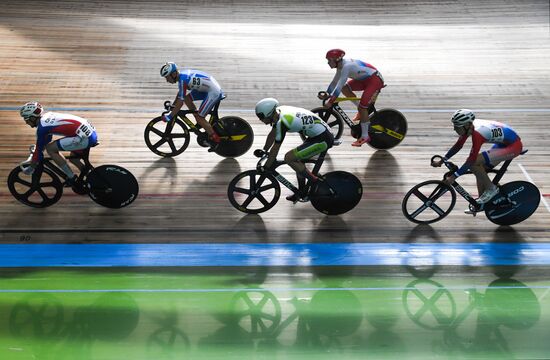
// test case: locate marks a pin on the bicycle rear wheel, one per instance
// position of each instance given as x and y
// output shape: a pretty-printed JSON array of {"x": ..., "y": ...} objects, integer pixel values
[
  {"x": 112, "y": 186},
  {"x": 236, "y": 136},
  {"x": 166, "y": 139},
  {"x": 428, "y": 202},
  {"x": 252, "y": 192},
  {"x": 525, "y": 199},
  {"x": 338, "y": 193},
  {"x": 332, "y": 118},
  {"x": 41, "y": 189},
  {"x": 387, "y": 129}
]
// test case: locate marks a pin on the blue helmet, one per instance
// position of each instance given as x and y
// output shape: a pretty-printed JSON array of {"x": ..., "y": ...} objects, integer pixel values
[{"x": 168, "y": 68}]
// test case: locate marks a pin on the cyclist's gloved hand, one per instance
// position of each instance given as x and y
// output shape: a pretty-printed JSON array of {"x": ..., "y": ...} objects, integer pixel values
[
  {"x": 27, "y": 167},
  {"x": 166, "y": 117}
]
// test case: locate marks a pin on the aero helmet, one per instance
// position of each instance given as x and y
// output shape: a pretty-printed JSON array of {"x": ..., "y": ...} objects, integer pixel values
[
  {"x": 266, "y": 107},
  {"x": 31, "y": 109},
  {"x": 462, "y": 117},
  {"x": 168, "y": 68},
  {"x": 335, "y": 54}
]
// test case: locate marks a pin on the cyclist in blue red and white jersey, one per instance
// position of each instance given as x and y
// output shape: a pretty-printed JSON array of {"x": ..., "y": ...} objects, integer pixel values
[
  {"x": 193, "y": 85},
  {"x": 363, "y": 77},
  {"x": 285, "y": 119},
  {"x": 506, "y": 145},
  {"x": 78, "y": 134}
]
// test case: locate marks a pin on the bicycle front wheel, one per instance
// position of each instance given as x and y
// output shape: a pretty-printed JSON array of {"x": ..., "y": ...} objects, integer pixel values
[
  {"x": 252, "y": 192},
  {"x": 39, "y": 190},
  {"x": 428, "y": 202},
  {"x": 166, "y": 139}
]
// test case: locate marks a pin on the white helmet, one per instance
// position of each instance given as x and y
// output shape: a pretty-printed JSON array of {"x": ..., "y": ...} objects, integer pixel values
[
  {"x": 168, "y": 68},
  {"x": 31, "y": 109},
  {"x": 462, "y": 117},
  {"x": 266, "y": 107}
]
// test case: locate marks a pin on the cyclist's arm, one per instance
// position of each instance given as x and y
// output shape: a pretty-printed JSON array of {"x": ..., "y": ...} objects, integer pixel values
[
  {"x": 280, "y": 130},
  {"x": 340, "y": 80},
  {"x": 43, "y": 138},
  {"x": 477, "y": 141},
  {"x": 270, "y": 139},
  {"x": 456, "y": 147}
]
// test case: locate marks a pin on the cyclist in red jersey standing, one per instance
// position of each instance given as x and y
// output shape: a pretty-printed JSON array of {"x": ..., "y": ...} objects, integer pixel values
[{"x": 363, "y": 77}]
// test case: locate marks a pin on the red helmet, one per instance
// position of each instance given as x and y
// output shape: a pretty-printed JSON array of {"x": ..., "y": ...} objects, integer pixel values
[{"x": 335, "y": 54}]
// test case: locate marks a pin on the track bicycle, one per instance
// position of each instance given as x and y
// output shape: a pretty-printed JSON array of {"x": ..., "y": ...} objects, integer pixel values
[
  {"x": 432, "y": 200},
  {"x": 172, "y": 138},
  {"x": 387, "y": 129},
  {"x": 256, "y": 191},
  {"x": 111, "y": 186}
]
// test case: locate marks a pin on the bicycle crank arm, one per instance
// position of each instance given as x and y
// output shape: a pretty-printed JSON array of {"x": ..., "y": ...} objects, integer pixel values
[{"x": 390, "y": 132}]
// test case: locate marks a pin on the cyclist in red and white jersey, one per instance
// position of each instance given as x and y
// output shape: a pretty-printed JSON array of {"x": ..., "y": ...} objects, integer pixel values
[
  {"x": 363, "y": 77},
  {"x": 506, "y": 145},
  {"x": 77, "y": 134}
]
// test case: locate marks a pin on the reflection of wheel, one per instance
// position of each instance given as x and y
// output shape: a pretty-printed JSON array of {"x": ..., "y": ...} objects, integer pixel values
[
  {"x": 332, "y": 118},
  {"x": 166, "y": 139},
  {"x": 338, "y": 193},
  {"x": 429, "y": 304},
  {"x": 38, "y": 316},
  {"x": 503, "y": 295},
  {"x": 335, "y": 313},
  {"x": 167, "y": 341},
  {"x": 112, "y": 186},
  {"x": 428, "y": 202},
  {"x": 257, "y": 312},
  {"x": 253, "y": 193},
  {"x": 41, "y": 189},
  {"x": 236, "y": 136},
  {"x": 387, "y": 129},
  {"x": 525, "y": 199}
]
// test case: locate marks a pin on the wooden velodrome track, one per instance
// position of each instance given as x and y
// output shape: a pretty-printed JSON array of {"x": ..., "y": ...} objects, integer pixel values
[{"x": 101, "y": 61}]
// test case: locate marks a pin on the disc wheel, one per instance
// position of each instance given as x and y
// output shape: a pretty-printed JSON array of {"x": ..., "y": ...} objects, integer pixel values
[
  {"x": 253, "y": 193},
  {"x": 332, "y": 118},
  {"x": 166, "y": 139},
  {"x": 387, "y": 129},
  {"x": 525, "y": 199},
  {"x": 41, "y": 189},
  {"x": 236, "y": 136},
  {"x": 338, "y": 193},
  {"x": 428, "y": 202},
  {"x": 112, "y": 186}
]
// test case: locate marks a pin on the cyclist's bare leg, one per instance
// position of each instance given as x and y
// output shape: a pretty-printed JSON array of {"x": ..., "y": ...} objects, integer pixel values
[
  {"x": 298, "y": 166},
  {"x": 482, "y": 178},
  {"x": 346, "y": 90},
  {"x": 200, "y": 120},
  {"x": 59, "y": 159},
  {"x": 78, "y": 163}
]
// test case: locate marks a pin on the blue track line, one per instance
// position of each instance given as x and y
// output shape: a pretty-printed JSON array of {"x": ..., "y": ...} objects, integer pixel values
[{"x": 285, "y": 254}]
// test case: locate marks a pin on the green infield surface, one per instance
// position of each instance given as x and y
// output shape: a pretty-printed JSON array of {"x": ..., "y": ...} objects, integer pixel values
[{"x": 274, "y": 313}]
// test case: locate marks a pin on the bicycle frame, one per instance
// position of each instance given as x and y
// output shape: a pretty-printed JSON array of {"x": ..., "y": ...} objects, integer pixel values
[{"x": 48, "y": 163}]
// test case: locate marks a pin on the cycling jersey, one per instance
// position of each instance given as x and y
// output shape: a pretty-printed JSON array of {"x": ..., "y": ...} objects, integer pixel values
[
  {"x": 294, "y": 119},
  {"x": 200, "y": 86},
  {"x": 354, "y": 69},
  {"x": 485, "y": 131},
  {"x": 67, "y": 125}
]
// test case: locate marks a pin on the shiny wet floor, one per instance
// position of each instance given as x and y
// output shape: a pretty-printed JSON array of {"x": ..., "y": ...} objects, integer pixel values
[{"x": 322, "y": 312}]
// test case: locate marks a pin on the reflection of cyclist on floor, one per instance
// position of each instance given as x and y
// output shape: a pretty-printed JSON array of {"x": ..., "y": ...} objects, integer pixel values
[
  {"x": 78, "y": 134},
  {"x": 193, "y": 85},
  {"x": 364, "y": 77},
  {"x": 507, "y": 145},
  {"x": 285, "y": 119}
]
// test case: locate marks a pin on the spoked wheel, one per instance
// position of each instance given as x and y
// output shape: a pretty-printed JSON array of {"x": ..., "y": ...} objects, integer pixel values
[
  {"x": 41, "y": 189},
  {"x": 253, "y": 193},
  {"x": 166, "y": 139},
  {"x": 387, "y": 129},
  {"x": 524, "y": 197},
  {"x": 338, "y": 193},
  {"x": 428, "y": 202},
  {"x": 112, "y": 186},
  {"x": 236, "y": 136},
  {"x": 332, "y": 118}
]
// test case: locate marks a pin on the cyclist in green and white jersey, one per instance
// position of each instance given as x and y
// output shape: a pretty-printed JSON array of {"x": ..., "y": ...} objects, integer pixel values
[{"x": 285, "y": 119}]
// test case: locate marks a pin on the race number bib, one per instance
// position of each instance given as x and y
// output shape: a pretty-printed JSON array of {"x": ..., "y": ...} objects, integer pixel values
[
  {"x": 195, "y": 82},
  {"x": 85, "y": 130}
]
